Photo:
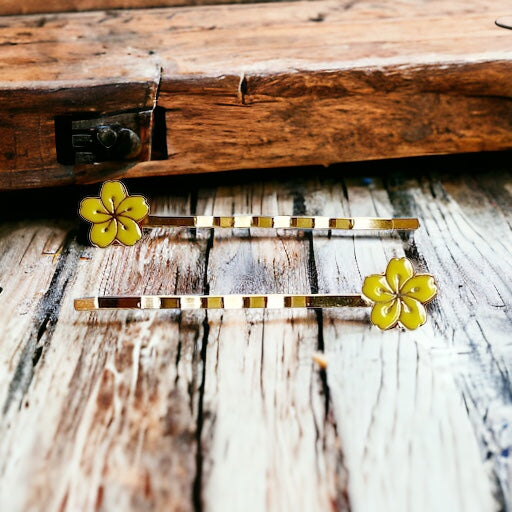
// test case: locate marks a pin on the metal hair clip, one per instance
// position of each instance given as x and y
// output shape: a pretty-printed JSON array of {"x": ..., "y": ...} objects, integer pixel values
[
  {"x": 397, "y": 298},
  {"x": 117, "y": 217},
  {"x": 504, "y": 22}
]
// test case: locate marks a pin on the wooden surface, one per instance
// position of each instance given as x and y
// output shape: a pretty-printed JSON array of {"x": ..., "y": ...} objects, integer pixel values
[
  {"x": 260, "y": 85},
  {"x": 37, "y": 7},
  {"x": 226, "y": 411}
]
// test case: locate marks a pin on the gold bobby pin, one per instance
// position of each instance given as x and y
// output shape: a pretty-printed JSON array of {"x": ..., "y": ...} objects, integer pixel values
[
  {"x": 117, "y": 217},
  {"x": 397, "y": 297}
]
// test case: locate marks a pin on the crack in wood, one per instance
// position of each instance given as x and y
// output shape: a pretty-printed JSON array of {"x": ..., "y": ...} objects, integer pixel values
[
  {"x": 197, "y": 498},
  {"x": 44, "y": 323},
  {"x": 341, "y": 500},
  {"x": 404, "y": 205},
  {"x": 481, "y": 359}
]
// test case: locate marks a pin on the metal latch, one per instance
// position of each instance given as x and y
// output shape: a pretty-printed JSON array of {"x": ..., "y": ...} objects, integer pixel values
[
  {"x": 88, "y": 140},
  {"x": 105, "y": 142}
]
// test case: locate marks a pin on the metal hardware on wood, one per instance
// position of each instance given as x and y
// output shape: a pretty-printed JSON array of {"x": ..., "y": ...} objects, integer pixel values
[
  {"x": 103, "y": 143},
  {"x": 82, "y": 139}
]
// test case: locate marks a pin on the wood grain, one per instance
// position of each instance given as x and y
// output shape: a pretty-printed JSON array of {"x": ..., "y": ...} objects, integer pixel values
[
  {"x": 320, "y": 118},
  {"x": 228, "y": 410},
  {"x": 138, "y": 386},
  {"x": 9, "y": 7},
  {"x": 261, "y": 85}
]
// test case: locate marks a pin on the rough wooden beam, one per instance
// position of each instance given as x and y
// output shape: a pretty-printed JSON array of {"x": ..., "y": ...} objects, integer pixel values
[
  {"x": 262, "y": 85},
  {"x": 319, "y": 118},
  {"x": 37, "y": 7}
]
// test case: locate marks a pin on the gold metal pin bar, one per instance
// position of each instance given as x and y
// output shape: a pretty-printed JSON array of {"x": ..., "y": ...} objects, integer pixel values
[
  {"x": 191, "y": 302},
  {"x": 397, "y": 298},
  {"x": 281, "y": 222},
  {"x": 118, "y": 218}
]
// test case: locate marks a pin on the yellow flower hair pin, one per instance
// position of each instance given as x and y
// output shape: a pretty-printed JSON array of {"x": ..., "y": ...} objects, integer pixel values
[
  {"x": 117, "y": 217},
  {"x": 397, "y": 297}
]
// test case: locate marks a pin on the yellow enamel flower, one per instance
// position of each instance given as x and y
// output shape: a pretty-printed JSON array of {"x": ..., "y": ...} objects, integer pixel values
[
  {"x": 114, "y": 215},
  {"x": 399, "y": 295}
]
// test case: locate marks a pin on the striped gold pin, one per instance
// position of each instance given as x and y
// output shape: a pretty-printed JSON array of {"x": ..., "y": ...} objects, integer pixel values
[
  {"x": 117, "y": 217},
  {"x": 397, "y": 297}
]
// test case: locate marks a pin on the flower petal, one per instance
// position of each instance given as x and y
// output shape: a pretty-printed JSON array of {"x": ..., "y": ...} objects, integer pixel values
[
  {"x": 398, "y": 272},
  {"x": 376, "y": 288},
  {"x": 385, "y": 314},
  {"x": 133, "y": 207},
  {"x": 128, "y": 231},
  {"x": 102, "y": 235},
  {"x": 413, "y": 313},
  {"x": 112, "y": 193},
  {"x": 92, "y": 209},
  {"x": 421, "y": 287}
]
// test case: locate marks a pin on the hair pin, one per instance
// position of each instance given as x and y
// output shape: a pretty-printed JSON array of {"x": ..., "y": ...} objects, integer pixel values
[
  {"x": 397, "y": 297},
  {"x": 118, "y": 217},
  {"x": 504, "y": 22}
]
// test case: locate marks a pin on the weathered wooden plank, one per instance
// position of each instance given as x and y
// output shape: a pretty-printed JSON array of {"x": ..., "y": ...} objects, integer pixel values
[
  {"x": 33, "y": 251},
  {"x": 322, "y": 118},
  {"x": 226, "y": 412},
  {"x": 386, "y": 389},
  {"x": 473, "y": 250},
  {"x": 117, "y": 425},
  {"x": 264, "y": 357},
  {"x": 10, "y": 7},
  {"x": 264, "y": 85}
]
